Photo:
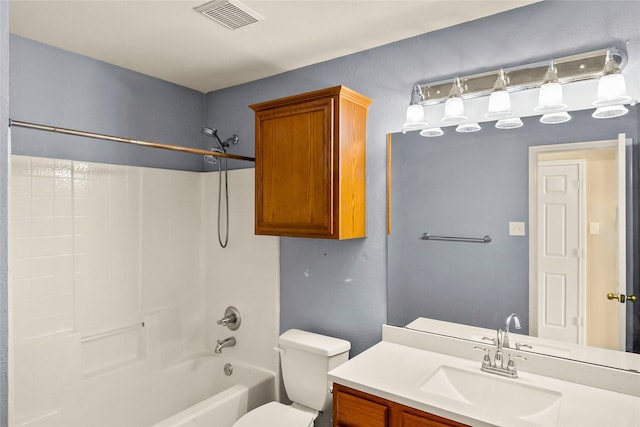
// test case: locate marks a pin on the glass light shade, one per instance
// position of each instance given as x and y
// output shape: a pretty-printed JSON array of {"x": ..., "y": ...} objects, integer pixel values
[
  {"x": 612, "y": 90},
  {"x": 415, "y": 118},
  {"x": 454, "y": 111},
  {"x": 610, "y": 111},
  {"x": 468, "y": 127},
  {"x": 431, "y": 132},
  {"x": 555, "y": 118},
  {"x": 550, "y": 98},
  {"x": 499, "y": 105},
  {"x": 510, "y": 123}
]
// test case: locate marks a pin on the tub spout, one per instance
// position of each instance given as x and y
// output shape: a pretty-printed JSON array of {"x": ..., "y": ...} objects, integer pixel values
[{"x": 229, "y": 342}]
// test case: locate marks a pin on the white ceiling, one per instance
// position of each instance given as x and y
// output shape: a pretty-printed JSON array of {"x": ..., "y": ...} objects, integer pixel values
[{"x": 171, "y": 41}]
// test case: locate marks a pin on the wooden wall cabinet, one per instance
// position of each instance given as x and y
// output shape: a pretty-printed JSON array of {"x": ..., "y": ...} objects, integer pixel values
[
  {"x": 354, "y": 408},
  {"x": 311, "y": 165}
]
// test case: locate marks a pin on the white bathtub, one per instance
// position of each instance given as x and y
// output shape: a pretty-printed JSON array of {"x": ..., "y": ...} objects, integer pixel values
[
  {"x": 232, "y": 397},
  {"x": 195, "y": 392}
]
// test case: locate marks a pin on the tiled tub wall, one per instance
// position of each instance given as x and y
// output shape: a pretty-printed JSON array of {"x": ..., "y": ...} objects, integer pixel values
[{"x": 115, "y": 265}]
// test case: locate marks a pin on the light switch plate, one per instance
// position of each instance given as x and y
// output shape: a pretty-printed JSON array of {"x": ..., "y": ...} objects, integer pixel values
[
  {"x": 594, "y": 228},
  {"x": 516, "y": 229}
]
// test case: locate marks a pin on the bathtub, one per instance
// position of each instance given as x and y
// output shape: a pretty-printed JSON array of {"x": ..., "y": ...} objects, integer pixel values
[
  {"x": 194, "y": 392},
  {"x": 231, "y": 397}
]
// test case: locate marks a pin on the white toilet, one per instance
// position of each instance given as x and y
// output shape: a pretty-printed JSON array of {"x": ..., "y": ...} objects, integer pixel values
[{"x": 305, "y": 359}]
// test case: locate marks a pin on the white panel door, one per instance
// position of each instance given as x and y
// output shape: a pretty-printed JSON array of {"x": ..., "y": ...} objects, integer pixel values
[{"x": 560, "y": 253}]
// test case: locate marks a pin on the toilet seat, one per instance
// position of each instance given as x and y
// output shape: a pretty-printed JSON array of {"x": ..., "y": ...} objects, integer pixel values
[{"x": 275, "y": 414}]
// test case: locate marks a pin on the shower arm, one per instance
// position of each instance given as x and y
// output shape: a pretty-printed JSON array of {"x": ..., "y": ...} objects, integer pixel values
[{"x": 74, "y": 132}]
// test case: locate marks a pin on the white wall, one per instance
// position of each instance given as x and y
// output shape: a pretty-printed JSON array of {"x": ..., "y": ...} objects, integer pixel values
[
  {"x": 98, "y": 251},
  {"x": 244, "y": 275}
]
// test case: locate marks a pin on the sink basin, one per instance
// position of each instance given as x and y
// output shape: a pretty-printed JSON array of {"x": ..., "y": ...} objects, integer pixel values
[{"x": 507, "y": 397}]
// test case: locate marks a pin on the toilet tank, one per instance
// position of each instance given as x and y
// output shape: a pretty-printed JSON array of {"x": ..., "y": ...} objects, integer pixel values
[{"x": 306, "y": 358}]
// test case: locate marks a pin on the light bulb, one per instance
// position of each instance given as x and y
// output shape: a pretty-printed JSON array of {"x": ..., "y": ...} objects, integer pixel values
[
  {"x": 555, "y": 118},
  {"x": 612, "y": 90},
  {"x": 550, "y": 98},
  {"x": 468, "y": 127},
  {"x": 431, "y": 132},
  {"x": 415, "y": 118},
  {"x": 510, "y": 123},
  {"x": 499, "y": 100},
  {"x": 610, "y": 111}
]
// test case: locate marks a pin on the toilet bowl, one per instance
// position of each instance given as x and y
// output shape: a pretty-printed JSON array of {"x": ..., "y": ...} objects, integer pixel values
[
  {"x": 306, "y": 358},
  {"x": 276, "y": 414}
]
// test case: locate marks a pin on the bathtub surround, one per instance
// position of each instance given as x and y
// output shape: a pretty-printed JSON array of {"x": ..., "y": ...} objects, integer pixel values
[{"x": 114, "y": 281}]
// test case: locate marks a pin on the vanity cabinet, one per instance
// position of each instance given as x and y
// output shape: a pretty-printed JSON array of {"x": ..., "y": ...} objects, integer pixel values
[
  {"x": 311, "y": 165},
  {"x": 354, "y": 408}
]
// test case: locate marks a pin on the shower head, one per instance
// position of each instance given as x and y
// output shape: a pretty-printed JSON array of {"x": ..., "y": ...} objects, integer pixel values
[
  {"x": 213, "y": 133},
  {"x": 222, "y": 145},
  {"x": 210, "y": 132}
]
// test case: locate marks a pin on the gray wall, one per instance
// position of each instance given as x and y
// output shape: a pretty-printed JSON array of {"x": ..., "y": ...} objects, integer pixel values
[
  {"x": 472, "y": 185},
  {"x": 339, "y": 288},
  {"x": 56, "y": 87},
  {"x": 4, "y": 188}
]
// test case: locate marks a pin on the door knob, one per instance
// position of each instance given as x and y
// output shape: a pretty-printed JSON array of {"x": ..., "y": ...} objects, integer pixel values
[{"x": 622, "y": 297}]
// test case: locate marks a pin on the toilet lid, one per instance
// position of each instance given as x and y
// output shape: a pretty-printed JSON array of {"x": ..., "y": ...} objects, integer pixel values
[{"x": 275, "y": 414}]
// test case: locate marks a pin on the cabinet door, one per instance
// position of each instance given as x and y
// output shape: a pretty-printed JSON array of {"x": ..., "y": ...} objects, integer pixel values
[
  {"x": 294, "y": 170},
  {"x": 354, "y": 408},
  {"x": 350, "y": 410}
]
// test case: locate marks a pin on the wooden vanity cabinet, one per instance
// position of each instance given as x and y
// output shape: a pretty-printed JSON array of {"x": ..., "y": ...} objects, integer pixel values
[
  {"x": 311, "y": 165},
  {"x": 354, "y": 408}
]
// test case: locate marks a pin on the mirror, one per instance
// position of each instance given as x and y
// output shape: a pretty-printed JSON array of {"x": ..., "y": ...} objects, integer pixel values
[{"x": 472, "y": 185}]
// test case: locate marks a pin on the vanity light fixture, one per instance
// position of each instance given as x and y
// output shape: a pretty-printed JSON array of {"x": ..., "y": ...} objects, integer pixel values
[
  {"x": 508, "y": 87},
  {"x": 612, "y": 92},
  {"x": 454, "y": 106}
]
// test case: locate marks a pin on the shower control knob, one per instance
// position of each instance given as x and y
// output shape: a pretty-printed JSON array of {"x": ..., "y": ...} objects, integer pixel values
[{"x": 231, "y": 318}]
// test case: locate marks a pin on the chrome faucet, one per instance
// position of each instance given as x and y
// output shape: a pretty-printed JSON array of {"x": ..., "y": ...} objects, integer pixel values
[
  {"x": 507, "y": 323},
  {"x": 229, "y": 342},
  {"x": 497, "y": 365}
]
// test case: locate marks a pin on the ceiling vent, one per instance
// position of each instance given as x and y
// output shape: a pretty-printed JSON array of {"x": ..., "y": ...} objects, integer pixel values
[{"x": 230, "y": 13}]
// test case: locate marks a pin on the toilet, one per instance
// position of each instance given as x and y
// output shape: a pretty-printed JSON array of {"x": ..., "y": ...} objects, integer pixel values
[{"x": 305, "y": 359}]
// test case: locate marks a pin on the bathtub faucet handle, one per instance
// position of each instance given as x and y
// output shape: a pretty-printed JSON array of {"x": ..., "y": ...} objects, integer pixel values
[{"x": 231, "y": 318}]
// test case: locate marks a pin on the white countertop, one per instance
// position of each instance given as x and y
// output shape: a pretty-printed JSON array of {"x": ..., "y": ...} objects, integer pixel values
[{"x": 398, "y": 372}]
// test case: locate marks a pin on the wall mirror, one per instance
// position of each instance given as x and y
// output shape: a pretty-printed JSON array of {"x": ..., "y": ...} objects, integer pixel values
[{"x": 472, "y": 185}]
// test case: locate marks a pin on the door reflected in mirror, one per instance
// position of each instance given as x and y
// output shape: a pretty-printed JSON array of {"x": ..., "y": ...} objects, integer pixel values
[
  {"x": 577, "y": 217},
  {"x": 472, "y": 185}
]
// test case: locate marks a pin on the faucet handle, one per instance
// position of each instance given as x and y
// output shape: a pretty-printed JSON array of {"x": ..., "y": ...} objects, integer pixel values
[
  {"x": 511, "y": 364},
  {"x": 519, "y": 346},
  {"x": 231, "y": 318},
  {"x": 486, "y": 360}
]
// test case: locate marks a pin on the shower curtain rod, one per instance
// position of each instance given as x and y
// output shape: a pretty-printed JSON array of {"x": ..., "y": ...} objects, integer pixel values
[{"x": 74, "y": 132}]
